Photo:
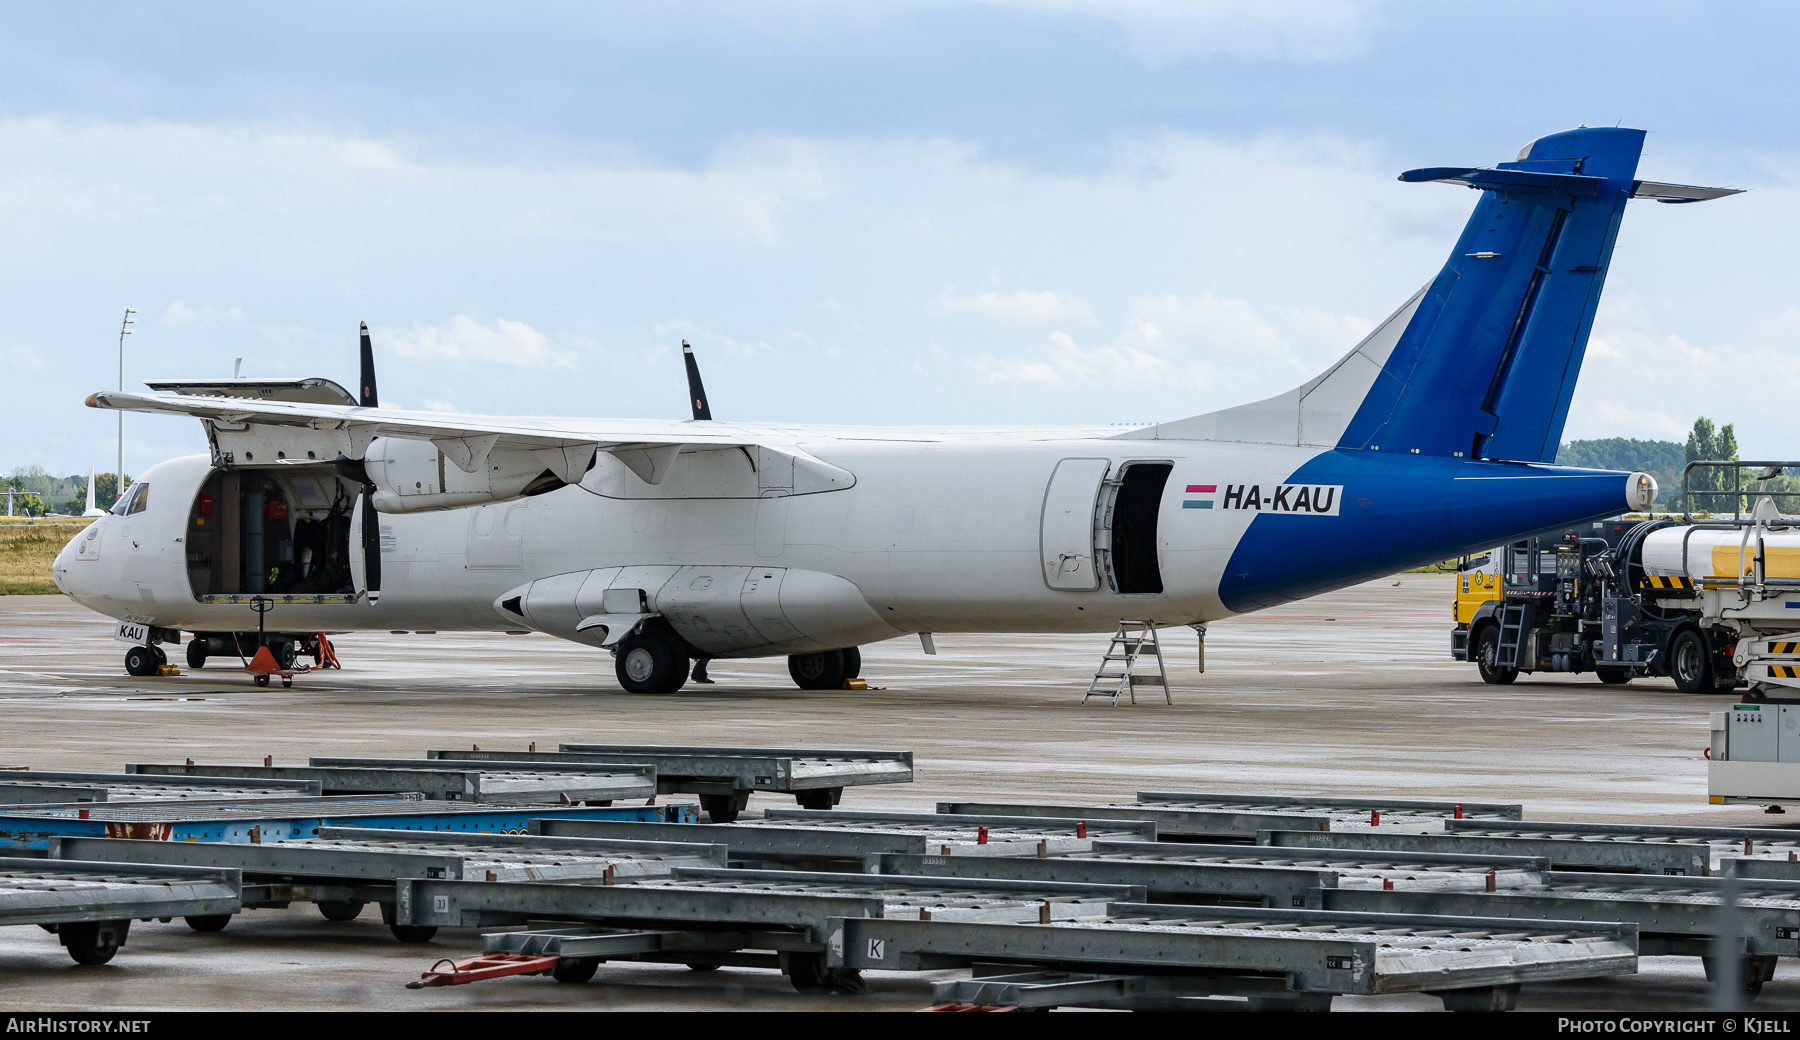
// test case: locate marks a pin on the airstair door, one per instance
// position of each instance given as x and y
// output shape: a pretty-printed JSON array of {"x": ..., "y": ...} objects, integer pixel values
[{"x": 1066, "y": 536}]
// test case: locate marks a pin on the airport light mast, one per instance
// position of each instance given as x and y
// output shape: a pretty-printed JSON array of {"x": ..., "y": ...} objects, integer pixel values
[{"x": 124, "y": 330}]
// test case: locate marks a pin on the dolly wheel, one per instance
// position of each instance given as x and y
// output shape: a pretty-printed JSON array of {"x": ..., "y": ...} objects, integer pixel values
[
  {"x": 93, "y": 942},
  {"x": 575, "y": 969},
  {"x": 340, "y": 909},
  {"x": 808, "y": 973},
  {"x": 819, "y": 798},
  {"x": 724, "y": 808},
  {"x": 208, "y": 922}
]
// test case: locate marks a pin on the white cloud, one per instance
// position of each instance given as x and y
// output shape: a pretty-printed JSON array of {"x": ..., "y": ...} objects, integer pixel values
[
  {"x": 22, "y": 358},
  {"x": 179, "y": 313},
  {"x": 1642, "y": 377},
  {"x": 1192, "y": 343},
  {"x": 1161, "y": 31},
  {"x": 1185, "y": 274},
  {"x": 462, "y": 338},
  {"x": 195, "y": 175},
  {"x": 1023, "y": 306}
]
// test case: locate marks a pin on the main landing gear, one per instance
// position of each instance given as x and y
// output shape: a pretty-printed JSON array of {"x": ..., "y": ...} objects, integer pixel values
[
  {"x": 654, "y": 659},
  {"x": 825, "y": 670}
]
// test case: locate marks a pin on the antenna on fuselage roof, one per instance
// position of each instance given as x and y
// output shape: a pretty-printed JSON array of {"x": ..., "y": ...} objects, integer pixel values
[{"x": 696, "y": 391}]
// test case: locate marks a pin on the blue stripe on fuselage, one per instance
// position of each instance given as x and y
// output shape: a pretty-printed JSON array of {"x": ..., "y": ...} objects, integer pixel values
[{"x": 1402, "y": 511}]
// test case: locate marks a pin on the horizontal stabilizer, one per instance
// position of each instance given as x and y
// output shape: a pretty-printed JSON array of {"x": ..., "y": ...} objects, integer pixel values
[
  {"x": 1495, "y": 178},
  {"x": 1678, "y": 192}
]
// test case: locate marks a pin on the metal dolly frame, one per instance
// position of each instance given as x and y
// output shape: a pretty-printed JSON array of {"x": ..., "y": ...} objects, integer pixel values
[
  {"x": 847, "y": 846},
  {"x": 1175, "y": 823},
  {"x": 1724, "y": 841},
  {"x": 1028, "y": 827},
  {"x": 345, "y": 868},
  {"x": 1210, "y": 874},
  {"x": 750, "y": 918},
  {"x": 725, "y": 777},
  {"x": 31, "y": 787},
  {"x": 1605, "y": 856},
  {"x": 90, "y": 906},
  {"x": 1673, "y": 915},
  {"x": 1148, "y": 955},
  {"x": 505, "y": 783},
  {"x": 255, "y": 822},
  {"x": 1444, "y": 808}
]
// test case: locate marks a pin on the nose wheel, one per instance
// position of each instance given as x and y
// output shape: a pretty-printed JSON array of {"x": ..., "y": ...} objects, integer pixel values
[{"x": 143, "y": 661}]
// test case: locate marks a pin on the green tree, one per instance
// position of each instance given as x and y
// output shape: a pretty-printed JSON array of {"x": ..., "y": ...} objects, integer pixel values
[
  {"x": 1661, "y": 459},
  {"x": 106, "y": 490},
  {"x": 1707, "y": 443},
  {"x": 34, "y": 480},
  {"x": 25, "y": 505}
]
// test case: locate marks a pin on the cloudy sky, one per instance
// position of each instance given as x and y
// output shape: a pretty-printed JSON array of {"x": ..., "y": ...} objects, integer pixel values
[{"x": 1018, "y": 211}]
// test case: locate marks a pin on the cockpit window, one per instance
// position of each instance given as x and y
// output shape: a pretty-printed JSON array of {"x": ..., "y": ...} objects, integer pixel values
[{"x": 136, "y": 499}]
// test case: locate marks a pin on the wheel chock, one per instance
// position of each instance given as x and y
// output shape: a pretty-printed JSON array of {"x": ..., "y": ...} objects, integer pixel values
[{"x": 487, "y": 966}]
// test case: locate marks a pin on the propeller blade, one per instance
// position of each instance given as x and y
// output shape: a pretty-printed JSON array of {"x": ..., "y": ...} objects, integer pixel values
[
  {"x": 369, "y": 399},
  {"x": 696, "y": 392},
  {"x": 371, "y": 539}
]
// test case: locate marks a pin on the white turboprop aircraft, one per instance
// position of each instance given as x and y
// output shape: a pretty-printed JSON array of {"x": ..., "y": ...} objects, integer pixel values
[{"x": 668, "y": 542}]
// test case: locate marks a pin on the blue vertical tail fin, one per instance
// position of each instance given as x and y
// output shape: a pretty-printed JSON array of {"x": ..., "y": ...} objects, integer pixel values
[
  {"x": 1487, "y": 365},
  {"x": 1481, "y": 363}
]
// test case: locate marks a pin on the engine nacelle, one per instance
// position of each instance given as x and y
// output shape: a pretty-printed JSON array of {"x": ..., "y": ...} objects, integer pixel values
[
  {"x": 726, "y": 611},
  {"x": 413, "y": 476}
]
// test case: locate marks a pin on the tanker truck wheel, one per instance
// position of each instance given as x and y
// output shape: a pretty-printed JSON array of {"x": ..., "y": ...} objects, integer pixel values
[
  {"x": 1690, "y": 662},
  {"x": 1487, "y": 647}
]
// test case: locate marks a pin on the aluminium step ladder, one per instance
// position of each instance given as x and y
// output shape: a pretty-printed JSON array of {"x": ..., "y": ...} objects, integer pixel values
[{"x": 1120, "y": 664}]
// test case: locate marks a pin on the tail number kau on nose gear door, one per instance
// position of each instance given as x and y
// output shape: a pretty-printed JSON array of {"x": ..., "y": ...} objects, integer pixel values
[{"x": 1305, "y": 499}]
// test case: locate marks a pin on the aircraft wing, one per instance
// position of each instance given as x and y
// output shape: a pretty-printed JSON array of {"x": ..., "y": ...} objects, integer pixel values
[{"x": 565, "y": 447}]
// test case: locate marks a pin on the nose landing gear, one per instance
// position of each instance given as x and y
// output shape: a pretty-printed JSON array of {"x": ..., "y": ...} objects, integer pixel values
[{"x": 143, "y": 661}]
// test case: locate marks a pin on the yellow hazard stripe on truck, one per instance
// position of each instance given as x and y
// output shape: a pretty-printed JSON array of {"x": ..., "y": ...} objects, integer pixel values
[
  {"x": 1671, "y": 584},
  {"x": 1784, "y": 648},
  {"x": 1784, "y": 671}
]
